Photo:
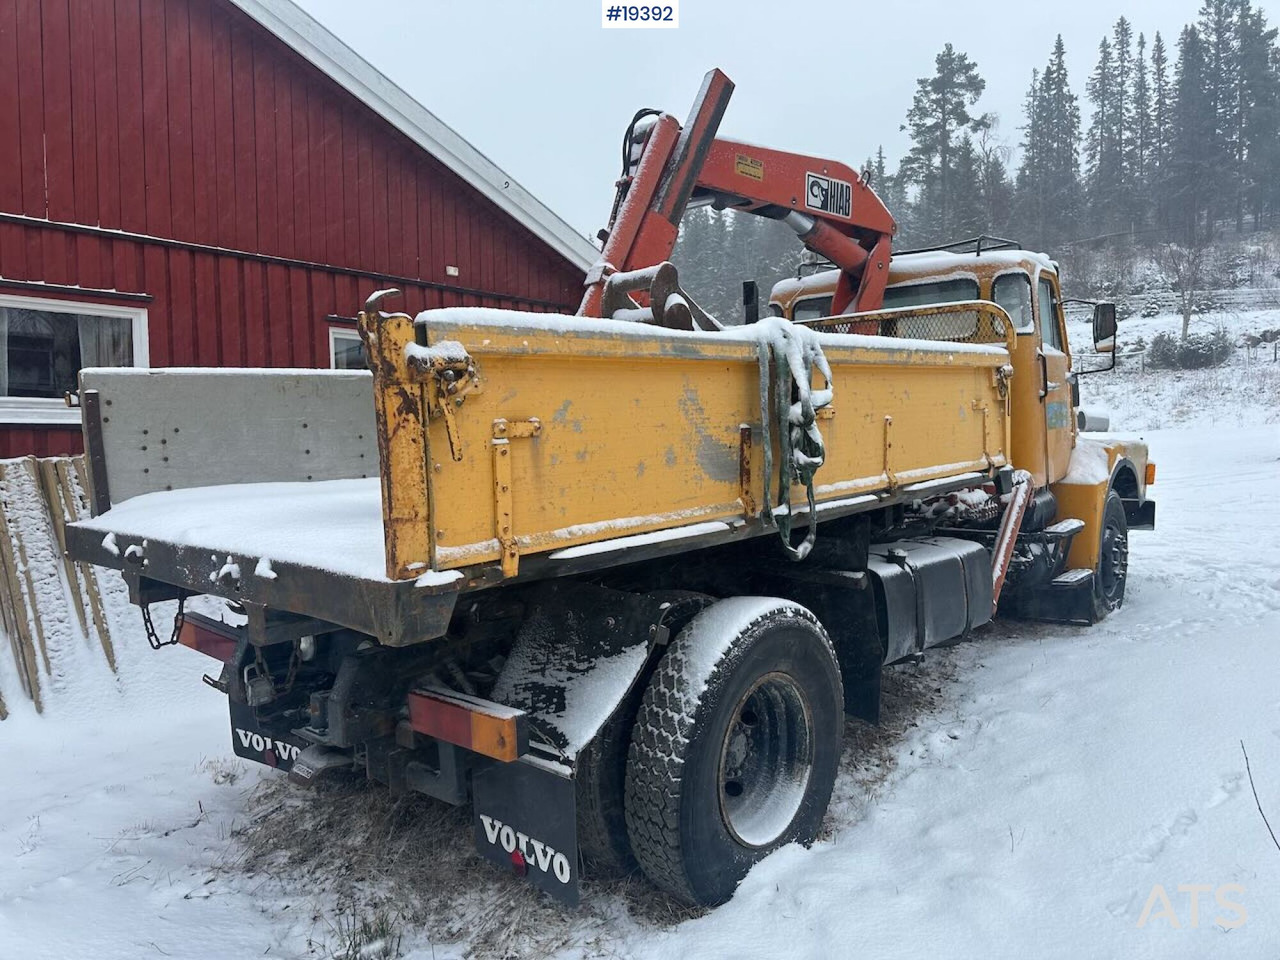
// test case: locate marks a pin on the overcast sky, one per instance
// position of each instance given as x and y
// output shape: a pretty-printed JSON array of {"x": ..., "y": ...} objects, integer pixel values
[{"x": 541, "y": 89}]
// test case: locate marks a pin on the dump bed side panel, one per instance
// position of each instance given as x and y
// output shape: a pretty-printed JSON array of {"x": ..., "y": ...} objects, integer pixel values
[
  {"x": 190, "y": 427},
  {"x": 642, "y": 429}
]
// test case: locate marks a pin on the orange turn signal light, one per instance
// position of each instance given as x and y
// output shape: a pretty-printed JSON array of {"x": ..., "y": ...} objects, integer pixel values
[
  {"x": 1151, "y": 473},
  {"x": 484, "y": 727}
]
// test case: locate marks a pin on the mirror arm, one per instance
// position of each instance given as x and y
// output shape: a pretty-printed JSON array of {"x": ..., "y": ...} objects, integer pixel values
[{"x": 1081, "y": 373}]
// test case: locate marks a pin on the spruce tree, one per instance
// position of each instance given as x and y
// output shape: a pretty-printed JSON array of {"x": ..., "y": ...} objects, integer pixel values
[
  {"x": 1063, "y": 144},
  {"x": 1122, "y": 118},
  {"x": 1139, "y": 161},
  {"x": 1161, "y": 128},
  {"x": 1048, "y": 182},
  {"x": 1029, "y": 184},
  {"x": 1192, "y": 146},
  {"x": 1260, "y": 116},
  {"x": 968, "y": 216},
  {"x": 1102, "y": 145},
  {"x": 1217, "y": 32}
]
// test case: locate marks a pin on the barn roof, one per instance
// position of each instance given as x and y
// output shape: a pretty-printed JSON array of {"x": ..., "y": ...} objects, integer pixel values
[{"x": 358, "y": 77}]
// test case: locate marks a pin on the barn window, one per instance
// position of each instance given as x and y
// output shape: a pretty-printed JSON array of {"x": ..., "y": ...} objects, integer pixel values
[
  {"x": 44, "y": 344},
  {"x": 346, "y": 352}
]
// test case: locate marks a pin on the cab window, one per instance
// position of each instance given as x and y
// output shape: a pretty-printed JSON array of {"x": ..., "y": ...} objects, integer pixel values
[
  {"x": 1049, "y": 315},
  {"x": 923, "y": 294},
  {"x": 1012, "y": 291},
  {"x": 811, "y": 309}
]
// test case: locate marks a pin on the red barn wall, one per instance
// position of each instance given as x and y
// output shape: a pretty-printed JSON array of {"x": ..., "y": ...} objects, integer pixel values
[{"x": 178, "y": 150}]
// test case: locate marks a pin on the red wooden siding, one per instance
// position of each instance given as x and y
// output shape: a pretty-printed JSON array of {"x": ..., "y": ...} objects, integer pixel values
[
  {"x": 39, "y": 441},
  {"x": 186, "y": 121}
]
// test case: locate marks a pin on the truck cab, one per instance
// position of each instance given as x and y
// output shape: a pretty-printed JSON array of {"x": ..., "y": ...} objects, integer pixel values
[{"x": 1073, "y": 474}]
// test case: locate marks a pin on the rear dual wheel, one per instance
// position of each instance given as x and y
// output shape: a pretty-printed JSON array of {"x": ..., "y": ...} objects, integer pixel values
[{"x": 735, "y": 746}]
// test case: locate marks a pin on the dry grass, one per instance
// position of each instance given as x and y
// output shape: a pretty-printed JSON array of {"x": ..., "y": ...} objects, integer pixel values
[{"x": 378, "y": 868}]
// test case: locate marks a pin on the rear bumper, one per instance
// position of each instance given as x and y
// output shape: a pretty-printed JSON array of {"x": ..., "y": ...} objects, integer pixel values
[{"x": 524, "y": 809}]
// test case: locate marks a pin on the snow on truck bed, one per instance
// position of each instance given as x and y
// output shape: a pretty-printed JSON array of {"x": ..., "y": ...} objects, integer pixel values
[{"x": 333, "y": 525}]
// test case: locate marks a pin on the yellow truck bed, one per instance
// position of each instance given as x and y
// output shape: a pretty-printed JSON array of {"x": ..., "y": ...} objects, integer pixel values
[{"x": 566, "y": 436}]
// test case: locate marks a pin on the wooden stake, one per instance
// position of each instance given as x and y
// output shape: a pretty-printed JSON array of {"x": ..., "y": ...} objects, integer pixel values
[
  {"x": 55, "y": 503},
  {"x": 33, "y": 606},
  {"x": 78, "y": 508},
  {"x": 23, "y": 649}
]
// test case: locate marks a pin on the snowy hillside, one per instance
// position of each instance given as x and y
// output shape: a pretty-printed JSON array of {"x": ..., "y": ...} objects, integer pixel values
[
  {"x": 1028, "y": 794},
  {"x": 1243, "y": 391}
]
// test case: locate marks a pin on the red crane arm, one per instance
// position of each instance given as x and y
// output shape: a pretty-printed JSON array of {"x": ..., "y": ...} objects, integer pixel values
[{"x": 831, "y": 209}]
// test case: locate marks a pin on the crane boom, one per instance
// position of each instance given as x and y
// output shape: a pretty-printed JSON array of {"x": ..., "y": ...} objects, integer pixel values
[{"x": 833, "y": 211}]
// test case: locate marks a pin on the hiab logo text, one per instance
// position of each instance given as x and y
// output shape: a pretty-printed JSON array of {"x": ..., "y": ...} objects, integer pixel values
[
  {"x": 828, "y": 194},
  {"x": 1182, "y": 911}
]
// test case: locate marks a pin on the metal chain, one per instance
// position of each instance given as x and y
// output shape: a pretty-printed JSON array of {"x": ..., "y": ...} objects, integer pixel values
[{"x": 178, "y": 620}]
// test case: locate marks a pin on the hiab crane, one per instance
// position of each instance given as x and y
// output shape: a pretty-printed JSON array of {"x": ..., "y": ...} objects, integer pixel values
[
  {"x": 826, "y": 203},
  {"x": 572, "y": 596}
]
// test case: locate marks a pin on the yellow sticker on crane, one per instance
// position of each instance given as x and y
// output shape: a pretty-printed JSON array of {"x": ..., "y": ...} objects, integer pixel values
[{"x": 748, "y": 167}]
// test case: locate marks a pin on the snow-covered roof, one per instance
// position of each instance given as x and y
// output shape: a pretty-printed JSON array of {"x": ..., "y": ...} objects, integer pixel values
[
  {"x": 940, "y": 261},
  {"x": 908, "y": 267},
  {"x": 361, "y": 79}
]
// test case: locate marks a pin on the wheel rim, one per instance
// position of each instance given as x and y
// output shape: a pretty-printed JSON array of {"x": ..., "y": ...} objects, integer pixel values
[
  {"x": 1115, "y": 560},
  {"x": 766, "y": 760}
]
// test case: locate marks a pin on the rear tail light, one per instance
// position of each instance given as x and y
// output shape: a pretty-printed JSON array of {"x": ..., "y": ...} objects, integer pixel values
[
  {"x": 478, "y": 725},
  {"x": 211, "y": 637}
]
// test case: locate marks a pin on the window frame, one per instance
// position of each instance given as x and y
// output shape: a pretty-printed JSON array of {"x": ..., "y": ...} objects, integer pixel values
[
  {"x": 53, "y": 411},
  {"x": 1055, "y": 300},
  {"x": 337, "y": 333},
  {"x": 935, "y": 281},
  {"x": 1032, "y": 281},
  {"x": 796, "y": 304}
]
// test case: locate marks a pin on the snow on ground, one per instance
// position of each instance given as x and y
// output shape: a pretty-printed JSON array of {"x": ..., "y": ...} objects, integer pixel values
[
  {"x": 1073, "y": 769},
  {"x": 1031, "y": 811},
  {"x": 1245, "y": 390}
]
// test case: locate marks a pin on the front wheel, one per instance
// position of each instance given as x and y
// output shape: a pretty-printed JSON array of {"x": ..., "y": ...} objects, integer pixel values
[
  {"x": 1112, "y": 571},
  {"x": 735, "y": 749}
]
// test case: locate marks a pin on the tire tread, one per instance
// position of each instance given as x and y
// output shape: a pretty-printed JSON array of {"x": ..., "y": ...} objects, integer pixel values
[{"x": 659, "y": 744}]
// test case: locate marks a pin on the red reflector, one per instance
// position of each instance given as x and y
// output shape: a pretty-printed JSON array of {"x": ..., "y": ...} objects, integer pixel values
[
  {"x": 211, "y": 642},
  {"x": 518, "y": 863},
  {"x": 444, "y": 721}
]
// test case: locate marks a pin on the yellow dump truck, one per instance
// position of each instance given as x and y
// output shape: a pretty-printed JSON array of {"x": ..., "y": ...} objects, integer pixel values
[
  {"x": 615, "y": 581},
  {"x": 535, "y": 562}
]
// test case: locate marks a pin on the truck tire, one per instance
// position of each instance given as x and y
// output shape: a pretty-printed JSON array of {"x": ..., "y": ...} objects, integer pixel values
[
  {"x": 602, "y": 765},
  {"x": 1113, "y": 559},
  {"x": 602, "y": 834},
  {"x": 735, "y": 748}
]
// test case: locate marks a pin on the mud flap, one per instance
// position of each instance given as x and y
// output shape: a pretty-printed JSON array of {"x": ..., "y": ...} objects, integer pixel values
[
  {"x": 1140, "y": 516},
  {"x": 1060, "y": 602},
  {"x": 526, "y": 822},
  {"x": 272, "y": 744}
]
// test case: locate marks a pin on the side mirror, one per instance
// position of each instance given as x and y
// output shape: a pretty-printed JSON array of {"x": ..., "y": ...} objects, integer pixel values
[{"x": 1104, "y": 327}]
